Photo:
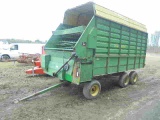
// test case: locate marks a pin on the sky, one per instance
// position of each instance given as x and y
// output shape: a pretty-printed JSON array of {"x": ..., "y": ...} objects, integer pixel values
[{"x": 36, "y": 19}]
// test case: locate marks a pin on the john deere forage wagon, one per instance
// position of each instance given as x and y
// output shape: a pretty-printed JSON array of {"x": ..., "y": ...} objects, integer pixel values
[{"x": 95, "y": 41}]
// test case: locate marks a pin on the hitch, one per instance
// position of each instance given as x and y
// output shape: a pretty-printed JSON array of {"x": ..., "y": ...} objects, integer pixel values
[{"x": 39, "y": 92}]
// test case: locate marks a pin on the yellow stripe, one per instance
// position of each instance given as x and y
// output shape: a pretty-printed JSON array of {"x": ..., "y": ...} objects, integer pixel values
[{"x": 113, "y": 16}]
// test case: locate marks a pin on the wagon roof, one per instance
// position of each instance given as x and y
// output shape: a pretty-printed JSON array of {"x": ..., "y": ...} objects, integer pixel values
[{"x": 107, "y": 14}]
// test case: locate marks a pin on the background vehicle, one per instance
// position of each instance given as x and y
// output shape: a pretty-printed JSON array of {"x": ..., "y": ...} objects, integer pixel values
[{"x": 17, "y": 49}]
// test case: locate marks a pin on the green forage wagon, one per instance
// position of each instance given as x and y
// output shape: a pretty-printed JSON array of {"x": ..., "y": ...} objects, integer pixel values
[{"x": 94, "y": 41}]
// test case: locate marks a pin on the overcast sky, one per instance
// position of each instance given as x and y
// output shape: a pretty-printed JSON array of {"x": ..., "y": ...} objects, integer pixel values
[{"x": 36, "y": 19}]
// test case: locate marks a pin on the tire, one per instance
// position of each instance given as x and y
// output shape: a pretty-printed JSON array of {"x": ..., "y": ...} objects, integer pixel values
[
  {"x": 5, "y": 58},
  {"x": 123, "y": 80},
  {"x": 133, "y": 77},
  {"x": 92, "y": 89}
]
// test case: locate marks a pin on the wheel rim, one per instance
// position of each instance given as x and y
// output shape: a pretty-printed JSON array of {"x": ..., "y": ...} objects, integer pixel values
[
  {"x": 94, "y": 90},
  {"x": 135, "y": 79},
  {"x": 126, "y": 81}
]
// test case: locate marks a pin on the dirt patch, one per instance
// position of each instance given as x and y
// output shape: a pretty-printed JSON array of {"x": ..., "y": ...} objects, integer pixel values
[{"x": 68, "y": 102}]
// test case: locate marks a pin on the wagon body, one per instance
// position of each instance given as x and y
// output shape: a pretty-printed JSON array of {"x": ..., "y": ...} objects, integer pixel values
[{"x": 104, "y": 42}]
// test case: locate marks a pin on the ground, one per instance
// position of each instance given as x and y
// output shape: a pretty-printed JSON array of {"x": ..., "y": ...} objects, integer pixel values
[{"x": 136, "y": 102}]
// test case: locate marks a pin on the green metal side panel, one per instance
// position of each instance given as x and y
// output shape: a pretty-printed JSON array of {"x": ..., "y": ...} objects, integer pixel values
[
  {"x": 99, "y": 66},
  {"x": 45, "y": 59},
  {"x": 86, "y": 72},
  {"x": 118, "y": 48},
  {"x": 89, "y": 33},
  {"x": 55, "y": 61},
  {"x": 84, "y": 50}
]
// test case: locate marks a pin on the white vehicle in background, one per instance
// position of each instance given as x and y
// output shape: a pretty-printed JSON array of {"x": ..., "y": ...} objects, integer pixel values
[{"x": 16, "y": 49}]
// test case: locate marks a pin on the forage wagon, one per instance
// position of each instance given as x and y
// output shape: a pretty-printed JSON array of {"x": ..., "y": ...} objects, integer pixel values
[{"x": 94, "y": 41}]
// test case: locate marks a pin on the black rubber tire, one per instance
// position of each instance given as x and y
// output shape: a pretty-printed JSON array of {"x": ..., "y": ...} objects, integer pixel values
[
  {"x": 123, "y": 80},
  {"x": 87, "y": 89},
  {"x": 5, "y": 58},
  {"x": 133, "y": 77}
]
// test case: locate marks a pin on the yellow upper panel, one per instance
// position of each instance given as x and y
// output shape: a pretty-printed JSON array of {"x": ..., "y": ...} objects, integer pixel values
[
  {"x": 81, "y": 15},
  {"x": 113, "y": 16}
]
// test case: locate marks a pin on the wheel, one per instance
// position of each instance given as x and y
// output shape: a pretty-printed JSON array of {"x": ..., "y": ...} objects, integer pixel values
[
  {"x": 5, "y": 58},
  {"x": 92, "y": 89},
  {"x": 123, "y": 80},
  {"x": 133, "y": 77}
]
